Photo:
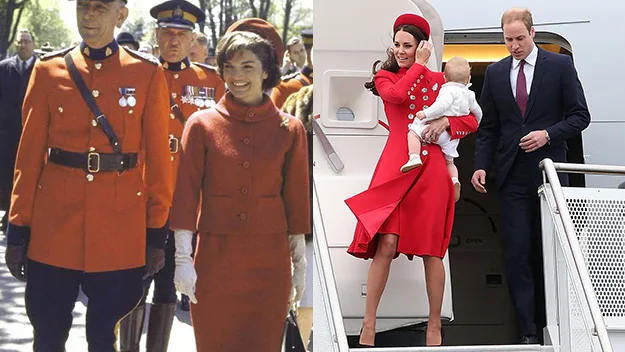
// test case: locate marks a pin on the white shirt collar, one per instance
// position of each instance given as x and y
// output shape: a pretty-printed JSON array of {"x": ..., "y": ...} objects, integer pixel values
[
  {"x": 457, "y": 84},
  {"x": 530, "y": 59},
  {"x": 19, "y": 61}
]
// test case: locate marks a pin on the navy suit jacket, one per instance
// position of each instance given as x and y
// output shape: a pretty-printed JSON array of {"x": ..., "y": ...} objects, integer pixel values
[
  {"x": 12, "y": 90},
  {"x": 556, "y": 103}
]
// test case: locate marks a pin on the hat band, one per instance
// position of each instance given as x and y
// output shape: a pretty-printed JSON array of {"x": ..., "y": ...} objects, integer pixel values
[{"x": 170, "y": 13}]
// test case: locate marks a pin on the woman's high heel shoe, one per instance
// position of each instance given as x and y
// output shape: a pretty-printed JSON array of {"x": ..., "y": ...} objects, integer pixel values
[{"x": 361, "y": 345}]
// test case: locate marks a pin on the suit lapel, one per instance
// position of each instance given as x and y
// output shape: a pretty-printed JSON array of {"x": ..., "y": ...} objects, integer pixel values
[
  {"x": 507, "y": 67},
  {"x": 539, "y": 71},
  {"x": 14, "y": 64}
]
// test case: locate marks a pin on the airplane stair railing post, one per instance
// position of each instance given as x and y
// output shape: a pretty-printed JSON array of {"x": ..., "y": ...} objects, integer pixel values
[
  {"x": 572, "y": 305},
  {"x": 328, "y": 323}
]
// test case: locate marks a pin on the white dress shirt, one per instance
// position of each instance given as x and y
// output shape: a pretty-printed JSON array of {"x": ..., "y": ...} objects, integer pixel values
[
  {"x": 528, "y": 69},
  {"x": 28, "y": 62}
]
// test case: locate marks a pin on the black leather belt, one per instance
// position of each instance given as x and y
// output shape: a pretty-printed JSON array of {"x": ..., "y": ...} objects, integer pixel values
[
  {"x": 174, "y": 144},
  {"x": 93, "y": 162}
]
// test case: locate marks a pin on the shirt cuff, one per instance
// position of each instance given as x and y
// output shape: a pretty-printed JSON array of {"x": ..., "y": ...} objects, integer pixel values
[{"x": 18, "y": 235}]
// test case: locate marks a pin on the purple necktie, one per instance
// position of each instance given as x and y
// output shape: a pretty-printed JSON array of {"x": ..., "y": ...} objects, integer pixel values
[{"x": 521, "y": 89}]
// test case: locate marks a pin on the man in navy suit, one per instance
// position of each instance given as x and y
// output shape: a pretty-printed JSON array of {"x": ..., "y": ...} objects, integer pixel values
[
  {"x": 532, "y": 102},
  {"x": 14, "y": 75}
]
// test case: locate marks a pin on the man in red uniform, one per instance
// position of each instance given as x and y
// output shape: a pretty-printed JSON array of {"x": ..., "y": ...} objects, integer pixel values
[
  {"x": 99, "y": 114},
  {"x": 192, "y": 87}
]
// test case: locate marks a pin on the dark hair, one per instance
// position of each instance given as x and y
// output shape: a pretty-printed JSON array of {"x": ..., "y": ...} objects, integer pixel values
[
  {"x": 237, "y": 41},
  {"x": 391, "y": 63}
]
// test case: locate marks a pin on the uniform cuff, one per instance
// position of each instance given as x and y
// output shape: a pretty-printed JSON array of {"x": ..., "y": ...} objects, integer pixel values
[
  {"x": 156, "y": 238},
  {"x": 18, "y": 235}
]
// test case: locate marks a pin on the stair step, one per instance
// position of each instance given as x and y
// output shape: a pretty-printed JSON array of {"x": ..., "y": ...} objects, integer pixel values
[{"x": 484, "y": 348}]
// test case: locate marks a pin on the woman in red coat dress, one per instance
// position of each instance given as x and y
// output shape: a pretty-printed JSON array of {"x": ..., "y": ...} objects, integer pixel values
[{"x": 409, "y": 213}]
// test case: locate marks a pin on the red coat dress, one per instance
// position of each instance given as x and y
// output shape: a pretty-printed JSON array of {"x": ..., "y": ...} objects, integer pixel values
[
  {"x": 249, "y": 177},
  {"x": 418, "y": 205}
]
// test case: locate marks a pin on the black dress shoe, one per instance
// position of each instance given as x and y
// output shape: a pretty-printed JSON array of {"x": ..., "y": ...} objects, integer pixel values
[
  {"x": 529, "y": 340},
  {"x": 184, "y": 303}
]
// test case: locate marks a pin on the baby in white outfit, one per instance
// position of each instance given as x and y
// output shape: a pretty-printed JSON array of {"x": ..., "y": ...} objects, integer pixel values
[{"x": 454, "y": 99}]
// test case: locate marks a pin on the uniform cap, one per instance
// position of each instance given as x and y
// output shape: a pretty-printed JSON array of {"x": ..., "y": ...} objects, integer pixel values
[
  {"x": 177, "y": 14},
  {"x": 415, "y": 20},
  {"x": 127, "y": 38},
  {"x": 264, "y": 29},
  {"x": 307, "y": 36}
]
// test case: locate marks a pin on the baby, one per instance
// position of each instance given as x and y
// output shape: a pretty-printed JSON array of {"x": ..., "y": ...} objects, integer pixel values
[{"x": 454, "y": 99}]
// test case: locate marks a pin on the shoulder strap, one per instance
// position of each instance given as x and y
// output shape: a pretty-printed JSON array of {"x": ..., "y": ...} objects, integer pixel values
[
  {"x": 93, "y": 106},
  {"x": 302, "y": 81},
  {"x": 175, "y": 109}
]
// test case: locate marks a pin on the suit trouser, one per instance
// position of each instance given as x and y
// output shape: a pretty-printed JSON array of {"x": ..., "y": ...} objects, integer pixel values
[
  {"x": 164, "y": 289},
  {"x": 522, "y": 247},
  {"x": 51, "y": 293}
]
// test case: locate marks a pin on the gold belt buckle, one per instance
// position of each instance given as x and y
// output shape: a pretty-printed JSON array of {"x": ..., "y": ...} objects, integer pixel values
[
  {"x": 174, "y": 144},
  {"x": 91, "y": 157}
]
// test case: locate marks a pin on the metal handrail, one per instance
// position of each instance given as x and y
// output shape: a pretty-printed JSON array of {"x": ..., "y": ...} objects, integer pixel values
[
  {"x": 587, "y": 168},
  {"x": 328, "y": 282},
  {"x": 550, "y": 171}
]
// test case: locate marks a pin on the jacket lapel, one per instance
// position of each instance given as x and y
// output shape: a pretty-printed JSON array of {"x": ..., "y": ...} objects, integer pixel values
[
  {"x": 14, "y": 64},
  {"x": 539, "y": 71}
]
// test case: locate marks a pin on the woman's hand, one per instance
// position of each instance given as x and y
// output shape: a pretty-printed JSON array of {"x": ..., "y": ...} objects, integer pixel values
[
  {"x": 185, "y": 276},
  {"x": 434, "y": 129},
  {"x": 424, "y": 50}
]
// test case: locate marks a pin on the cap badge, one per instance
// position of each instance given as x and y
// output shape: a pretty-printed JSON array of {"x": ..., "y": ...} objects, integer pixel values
[{"x": 178, "y": 12}]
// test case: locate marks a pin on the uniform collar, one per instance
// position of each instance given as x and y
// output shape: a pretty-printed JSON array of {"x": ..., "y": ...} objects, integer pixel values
[
  {"x": 175, "y": 66},
  {"x": 99, "y": 54},
  {"x": 265, "y": 111}
]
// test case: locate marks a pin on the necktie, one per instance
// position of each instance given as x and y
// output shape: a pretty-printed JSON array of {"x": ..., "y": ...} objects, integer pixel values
[{"x": 521, "y": 89}]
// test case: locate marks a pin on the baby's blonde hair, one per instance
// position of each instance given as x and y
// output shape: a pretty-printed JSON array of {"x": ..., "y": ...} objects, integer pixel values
[{"x": 457, "y": 70}]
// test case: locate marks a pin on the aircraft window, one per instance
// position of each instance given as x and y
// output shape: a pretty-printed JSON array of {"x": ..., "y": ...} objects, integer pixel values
[{"x": 345, "y": 114}]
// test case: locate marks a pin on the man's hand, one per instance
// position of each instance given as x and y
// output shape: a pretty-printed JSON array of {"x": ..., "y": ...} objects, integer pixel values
[
  {"x": 433, "y": 130},
  {"x": 154, "y": 261},
  {"x": 421, "y": 115},
  {"x": 479, "y": 180},
  {"x": 533, "y": 141},
  {"x": 15, "y": 257}
]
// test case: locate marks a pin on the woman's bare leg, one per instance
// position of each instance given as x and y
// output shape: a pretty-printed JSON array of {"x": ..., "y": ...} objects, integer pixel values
[
  {"x": 435, "y": 284},
  {"x": 376, "y": 282}
]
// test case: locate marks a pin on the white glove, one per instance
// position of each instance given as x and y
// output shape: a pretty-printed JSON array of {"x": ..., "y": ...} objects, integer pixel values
[
  {"x": 297, "y": 246},
  {"x": 185, "y": 276}
]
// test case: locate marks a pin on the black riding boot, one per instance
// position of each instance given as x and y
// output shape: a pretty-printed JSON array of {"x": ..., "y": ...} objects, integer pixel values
[
  {"x": 159, "y": 327},
  {"x": 130, "y": 330}
]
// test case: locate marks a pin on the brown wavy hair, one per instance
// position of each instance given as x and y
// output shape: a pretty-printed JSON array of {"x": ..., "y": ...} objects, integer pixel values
[{"x": 391, "y": 64}]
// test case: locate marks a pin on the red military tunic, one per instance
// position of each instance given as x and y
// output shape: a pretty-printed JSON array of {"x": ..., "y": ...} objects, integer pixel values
[
  {"x": 251, "y": 175},
  {"x": 187, "y": 84},
  {"x": 93, "y": 222},
  {"x": 289, "y": 85},
  {"x": 418, "y": 205}
]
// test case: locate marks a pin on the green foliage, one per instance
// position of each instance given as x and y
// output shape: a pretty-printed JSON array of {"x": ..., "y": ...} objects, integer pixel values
[
  {"x": 47, "y": 25},
  {"x": 138, "y": 28}
]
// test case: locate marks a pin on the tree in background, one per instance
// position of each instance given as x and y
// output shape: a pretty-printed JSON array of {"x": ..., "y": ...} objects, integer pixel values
[
  {"x": 288, "y": 15},
  {"x": 137, "y": 27},
  {"x": 10, "y": 16},
  {"x": 47, "y": 26},
  {"x": 294, "y": 19}
]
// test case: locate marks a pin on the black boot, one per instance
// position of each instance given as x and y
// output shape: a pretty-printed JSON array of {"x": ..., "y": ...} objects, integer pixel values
[
  {"x": 159, "y": 327},
  {"x": 130, "y": 329},
  {"x": 184, "y": 303}
]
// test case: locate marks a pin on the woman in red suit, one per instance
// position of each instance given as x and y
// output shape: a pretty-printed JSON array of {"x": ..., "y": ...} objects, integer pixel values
[{"x": 409, "y": 213}]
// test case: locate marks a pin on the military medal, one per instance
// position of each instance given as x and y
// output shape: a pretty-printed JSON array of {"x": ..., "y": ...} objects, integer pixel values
[
  {"x": 127, "y": 101},
  {"x": 132, "y": 101}
]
